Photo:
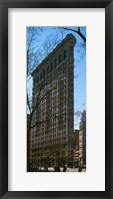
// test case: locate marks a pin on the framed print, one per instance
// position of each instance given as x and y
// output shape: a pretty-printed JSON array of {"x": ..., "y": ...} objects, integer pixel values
[{"x": 56, "y": 99}]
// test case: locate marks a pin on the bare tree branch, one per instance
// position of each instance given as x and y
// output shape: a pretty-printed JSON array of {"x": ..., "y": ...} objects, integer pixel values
[{"x": 76, "y": 31}]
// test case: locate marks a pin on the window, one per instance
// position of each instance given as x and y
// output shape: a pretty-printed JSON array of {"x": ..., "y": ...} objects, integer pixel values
[
  {"x": 40, "y": 76},
  {"x": 47, "y": 70},
  {"x": 51, "y": 67},
  {"x": 64, "y": 55},
  {"x": 43, "y": 74},
  {"x": 37, "y": 79},
  {"x": 55, "y": 63},
  {"x": 34, "y": 81},
  {"x": 60, "y": 59}
]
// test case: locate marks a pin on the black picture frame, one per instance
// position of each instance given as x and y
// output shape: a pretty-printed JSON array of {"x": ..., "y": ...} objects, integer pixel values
[{"x": 108, "y": 5}]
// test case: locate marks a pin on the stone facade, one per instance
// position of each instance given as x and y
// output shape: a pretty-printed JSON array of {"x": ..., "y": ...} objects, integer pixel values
[{"x": 52, "y": 138}]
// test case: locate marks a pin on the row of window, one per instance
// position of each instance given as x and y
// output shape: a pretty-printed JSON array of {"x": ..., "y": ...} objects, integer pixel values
[
  {"x": 49, "y": 69},
  {"x": 52, "y": 129},
  {"x": 38, "y": 135},
  {"x": 50, "y": 140},
  {"x": 56, "y": 117},
  {"x": 48, "y": 143}
]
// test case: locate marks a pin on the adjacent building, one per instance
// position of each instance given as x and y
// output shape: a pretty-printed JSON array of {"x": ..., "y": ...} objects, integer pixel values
[
  {"x": 76, "y": 148},
  {"x": 52, "y": 135},
  {"x": 82, "y": 139}
]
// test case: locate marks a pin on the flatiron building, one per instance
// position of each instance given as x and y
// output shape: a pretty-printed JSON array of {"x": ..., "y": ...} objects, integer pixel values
[{"x": 52, "y": 133}]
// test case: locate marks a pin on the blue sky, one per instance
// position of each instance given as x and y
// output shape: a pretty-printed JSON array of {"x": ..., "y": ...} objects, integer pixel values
[{"x": 52, "y": 36}]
